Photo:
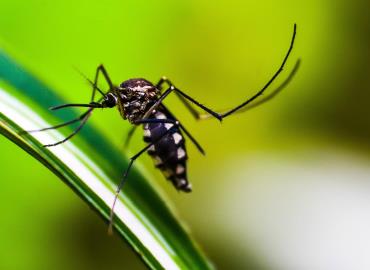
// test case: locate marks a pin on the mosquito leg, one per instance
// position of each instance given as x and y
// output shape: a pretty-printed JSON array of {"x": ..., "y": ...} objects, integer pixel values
[
  {"x": 83, "y": 122},
  {"x": 155, "y": 120},
  {"x": 211, "y": 112},
  {"x": 158, "y": 102},
  {"x": 94, "y": 85},
  {"x": 100, "y": 69},
  {"x": 197, "y": 145},
  {"x": 124, "y": 178},
  {"x": 60, "y": 125},
  {"x": 186, "y": 103},
  {"x": 170, "y": 90},
  {"x": 129, "y": 136},
  {"x": 85, "y": 116},
  {"x": 161, "y": 81},
  {"x": 92, "y": 104},
  {"x": 187, "y": 100},
  {"x": 194, "y": 141},
  {"x": 268, "y": 83},
  {"x": 175, "y": 122},
  {"x": 270, "y": 96},
  {"x": 277, "y": 90}
]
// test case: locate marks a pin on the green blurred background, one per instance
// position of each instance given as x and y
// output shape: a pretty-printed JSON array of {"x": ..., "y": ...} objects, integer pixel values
[{"x": 285, "y": 186}]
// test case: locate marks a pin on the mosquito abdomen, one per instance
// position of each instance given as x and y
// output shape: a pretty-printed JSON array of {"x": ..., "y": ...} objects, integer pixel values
[{"x": 169, "y": 153}]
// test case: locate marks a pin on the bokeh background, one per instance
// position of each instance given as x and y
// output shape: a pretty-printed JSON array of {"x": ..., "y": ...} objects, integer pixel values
[{"x": 285, "y": 186}]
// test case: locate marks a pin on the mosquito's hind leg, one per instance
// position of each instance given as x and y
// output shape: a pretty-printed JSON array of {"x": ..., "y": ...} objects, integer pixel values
[{"x": 189, "y": 101}]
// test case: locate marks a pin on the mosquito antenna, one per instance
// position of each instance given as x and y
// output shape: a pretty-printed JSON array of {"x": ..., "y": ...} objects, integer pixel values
[{"x": 89, "y": 81}]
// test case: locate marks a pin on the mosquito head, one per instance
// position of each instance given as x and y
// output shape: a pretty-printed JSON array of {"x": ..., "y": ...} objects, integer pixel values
[
  {"x": 136, "y": 96},
  {"x": 109, "y": 101}
]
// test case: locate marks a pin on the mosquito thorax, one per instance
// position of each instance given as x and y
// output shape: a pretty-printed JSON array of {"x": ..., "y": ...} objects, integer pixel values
[{"x": 135, "y": 98}]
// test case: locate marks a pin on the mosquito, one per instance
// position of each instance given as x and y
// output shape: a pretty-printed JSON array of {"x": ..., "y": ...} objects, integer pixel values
[{"x": 141, "y": 103}]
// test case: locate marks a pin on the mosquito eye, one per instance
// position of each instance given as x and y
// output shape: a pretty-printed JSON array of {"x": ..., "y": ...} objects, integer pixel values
[{"x": 110, "y": 101}]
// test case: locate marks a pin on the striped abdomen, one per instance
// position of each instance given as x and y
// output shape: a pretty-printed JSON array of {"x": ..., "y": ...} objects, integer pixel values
[{"x": 169, "y": 153}]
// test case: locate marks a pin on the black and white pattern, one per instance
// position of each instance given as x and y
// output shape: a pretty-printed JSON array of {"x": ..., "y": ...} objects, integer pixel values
[{"x": 169, "y": 153}]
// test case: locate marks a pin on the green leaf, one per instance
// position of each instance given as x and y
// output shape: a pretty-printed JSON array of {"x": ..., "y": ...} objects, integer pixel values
[{"x": 92, "y": 168}]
